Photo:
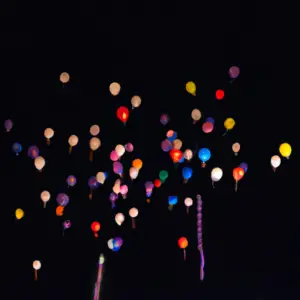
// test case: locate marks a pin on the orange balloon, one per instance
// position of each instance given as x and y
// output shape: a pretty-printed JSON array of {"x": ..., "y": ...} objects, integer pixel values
[
  {"x": 183, "y": 242},
  {"x": 176, "y": 155},
  {"x": 238, "y": 173},
  {"x": 137, "y": 163},
  {"x": 59, "y": 210}
]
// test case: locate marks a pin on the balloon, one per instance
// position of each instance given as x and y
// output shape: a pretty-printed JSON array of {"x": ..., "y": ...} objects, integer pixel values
[
  {"x": 100, "y": 177},
  {"x": 183, "y": 243},
  {"x": 238, "y": 174},
  {"x": 207, "y": 127},
  {"x": 163, "y": 175},
  {"x": 19, "y": 213},
  {"x": 93, "y": 184},
  {"x": 62, "y": 199},
  {"x": 210, "y": 120},
  {"x": 118, "y": 168},
  {"x": 115, "y": 244},
  {"x": 33, "y": 152},
  {"x": 187, "y": 173},
  {"x": 115, "y": 88},
  {"x": 39, "y": 163},
  {"x": 177, "y": 144},
  {"x": 73, "y": 141},
  {"x": 95, "y": 228},
  {"x": 188, "y": 154},
  {"x": 216, "y": 175},
  {"x": 236, "y": 148},
  {"x": 234, "y": 72},
  {"x": 116, "y": 188},
  {"x": 119, "y": 218},
  {"x": 48, "y": 133},
  {"x": 220, "y": 94},
  {"x": 113, "y": 197},
  {"x": 17, "y": 148},
  {"x": 285, "y": 150},
  {"x": 120, "y": 149},
  {"x": 129, "y": 147},
  {"x": 133, "y": 173},
  {"x": 59, "y": 210},
  {"x": 66, "y": 225},
  {"x": 176, "y": 155},
  {"x": 123, "y": 114},
  {"x": 164, "y": 119},
  {"x": 45, "y": 197},
  {"x": 181, "y": 159},
  {"x": 244, "y": 166},
  {"x": 196, "y": 115},
  {"x": 95, "y": 143},
  {"x": 114, "y": 156},
  {"x": 188, "y": 202},
  {"x": 149, "y": 187},
  {"x": 137, "y": 163},
  {"x": 204, "y": 155},
  {"x": 191, "y": 88},
  {"x": 133, "y": 213},
  {"x": 275, "y": 162},
  {"x": 64, "y": 77},
  {"x": 157, "y": 183},
  {"x": 229, "y": 123},
  {"x": 166, "y": 145},
  {"x": 171, "y": 135},
  {"x": 8, "y": 125},
  {"x": 36, "y": 266},
  {"x": 136, "y": 101},
  {"x": 172, "y": 201},
  {"x": 94, "y": 130},
  {"x": 71, "y": 180}
]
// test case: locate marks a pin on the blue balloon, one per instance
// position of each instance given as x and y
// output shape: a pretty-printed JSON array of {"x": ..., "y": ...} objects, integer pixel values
[
  {"x": 211, "y": 120},
  {"x": 17, "y": 148},
  {"x": 173, "y": 137},
  {"x": 173, "y": 200},
  {"x": 187, "y": 173},
  {"x": 244, "y": 166},
  {"x": 204, "y": 154},
  {"x": 181, "y": 160}
]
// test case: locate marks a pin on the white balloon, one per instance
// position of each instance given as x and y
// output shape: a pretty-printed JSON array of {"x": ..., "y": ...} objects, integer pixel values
[
  {"x": 216, "y": 174},
  {"x": 133, "y": 212},
  {"x": 119, "y": 218},
  {"x": 120, "y": 150},
  {"x": 275, "y": 161},
  {"x": 39, "y": 162},
  {"x": 110, "y": 244},
  {"x": 37, "y": 265},
  {"x": 133, "y": 173},
  {"x": 188, "y": 202},
  {"x": 100, "y": 177}
]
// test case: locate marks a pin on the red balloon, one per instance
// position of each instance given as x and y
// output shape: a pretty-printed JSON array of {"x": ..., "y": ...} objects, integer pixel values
[
  {"x": 238, "y": 173},
  {"x": 95, "y": 227},
  {"x": 123, "y": 114},
  {"x": 183, "y": 242},
  {"x": 220, "y": 94},
  {"x": 157, "y": 183},
  {"x": 207, "y": 127},
  {"x": 176, "y": 155}
]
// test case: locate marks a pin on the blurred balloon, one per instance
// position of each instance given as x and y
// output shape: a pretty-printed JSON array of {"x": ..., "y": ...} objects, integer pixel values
[
  {"x": 196, "y": 115},
  {"x": 137, "y": 163},
  {"x": 36, "y": 266},
  {"x": 133, "y": 213},
  {"x": 187, "y": 173},
  {"x": 118, "y": 168},
  {"x": 164, "y": 119},
  {"x": 8, "y": 125},
  {"x": 172, "y": 201},
  {"x": 188, "y": 202},
  {"x": 71, "y": 180},
  {"x": 62, "y": 199},
  {"x": 216, "y": 175},
  {"x": 207, "y": 127},
  {"x": 114, "y": 156},
  {"x": 93, "y": 184},
  {"x": 183, "y": 243},
  {"x": 17, "y": 148},
  {"x": 73, "y": 141},
  {"x": 115, "y": 88},
  {"x": 176, "y": 155},
  {"x": 136, "y": 101},
  {"x": 120, "y": 150},
  {"x": 157, "y": 183},
  {"x": 66, "y": 225},
  {"x": 188, "y": 154},
  {"x": 39, "y": 163},
  {"x": 100, "y": 177},
  {"x": 244, "y": 166},
  {"x": 171, "y": 135},
  {"x": 229, "y": 123},
  {"x": 94, "y": 130},
  {"x": 220, "y": 94},
  {"x": 204, "y": 155},
  {"x": 133, "y": 173},
  {"x": 64, "y": 77},
  {"x": 115, "y": 244},
  {"x": 166, "y": 145},
  {"x": 33, "y": 152},
  {"x": 19, "y": 213},
  {"x": 129, "y": 147},
  {"x": 95, "y": 228},
  {"x": 236, "y": 148},
  {"x": 59, "y": 210},
  {"x": 275, "y": 162},
  {"x": 149, "y": 188},
  {"x": 123, "y": 114},
  {"x": 191, "y": 88},
  {"x": 177, "y": 144},
  {"x": 238, "y": 174},
  {"x": 95, "y": 144},
  {"x": 285, "y": 150},
  {"x": 163, "y": 175},
  {"x": 113, "y": 198},
  {"x": 210, "y": 120},
  {"x": 45, "y": 197},
  {"x": 119, "y": 218},
  {"x": 48, "y": 134},
  {"x": 234, "y": 72}
]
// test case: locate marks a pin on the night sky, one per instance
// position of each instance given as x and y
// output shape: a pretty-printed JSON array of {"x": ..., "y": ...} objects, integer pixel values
[{"x": 247, "y": 235}]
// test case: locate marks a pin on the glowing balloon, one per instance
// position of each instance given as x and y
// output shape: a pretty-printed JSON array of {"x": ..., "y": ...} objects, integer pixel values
[
  {"x": 210, "y": 120},
  {"x": 137, "y": 163},
  {"x": 183, "y": 243},
  {"x": 216, "y": 175},
  {"x": 204, "y": 155},
  {"x": 95, "y": 144},
  {"x": 188, "y": 154},
  {"x": 166, "y": 145},
  {"x": 115, "y": 88},
  {"x": 33, "y": 152},
  {"x": 220, "y": 94},
  {"x": 244, "y": 166},
  {"x": 207, "y": 127},
  {"x": 191, "y": 88},
  {"x": 229, "y": 124},
  {"x": 164, "y": 119},
  {"x": 59, "y": 210},
  {"x": 163, "y": 175},
  {"x": 73, "y": 141},
  {"x": 188, "y": 202},
  {"x": 285, "y": 150},
  {"x": 236, "y": 148},
  {"x": 62, "y": 199},
  {"x": 234, "y": 72},
  {"x": 157, "y": 183},
  {"x": 119, "y": 218},
  {"x": 94, "y": 130},
  {"x": 238, "y": 174},
  {"x": 113, "y": 197},
  {"x": 116, "y": 188},
  {"x": 114, "y": 156},
  {"x": 17, "y": 148},
  {"x": 136, "y": 101},
  {"x": 133, "y": 173},
  {"x": 196, "y": 115},
  {"x": 48, "y": 133},
  {"x": 120, "y": 149},
  {"x": 177, "y": 144},
  {"x": 45, "y": 197},
  {"x": 100, "y": 177},
  {"x": 93, "y": 184},
  {"x": 133, "y": 213},
  {"x": 95, "y": 228},
  {"x": 8, "y": 125},
  {"x": 275, "y": 162},
  {"x": 118, "y": 168},
  {"x": 171, "y": 135},
  {"x": 129, "y": 147},
  {"x": 176, "y": 155},
  {"x": 39, "y": 163},
  {"x": 71, "y": 180},
  {"x": 36, "y": 266},
  {"x": 66, "y": 225},
  {"x": 64, "y": 77},
  {"x": 123, "y": 114},
  {"x": 172, "y": 201},
  {"x": 187, "y": 174},
  {"x": 19, "y": 213},
  {"x": 149, "y": 188}
]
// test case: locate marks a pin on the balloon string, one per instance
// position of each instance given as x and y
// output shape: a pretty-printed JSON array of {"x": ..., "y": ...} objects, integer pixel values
[
  {"x": 91, "y": 194},
  {"x": 45, "y": 204},
  {"x": 70, "y": 149},
  {"x": 187, "y": 210},
  {"x": 91, "y": 155},
  {"x": 48, "y": 142},
  {"x": 133, "y": 223},
  {"x": 184, "y": 255},
  {"x": 236, "y": 185},
  {"x": 224, "y": 133},
  {"x": 35, "y": 275}
]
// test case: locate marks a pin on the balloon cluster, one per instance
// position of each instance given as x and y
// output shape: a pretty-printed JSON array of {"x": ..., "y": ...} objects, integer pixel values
[
  {"x": 199, "y": 235},
  {"x": 115, "y": 244}
]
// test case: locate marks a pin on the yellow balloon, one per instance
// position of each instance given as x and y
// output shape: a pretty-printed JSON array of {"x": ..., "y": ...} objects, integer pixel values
[
  {"x": 285, "y": 150},
  {"x": 191, "y": 88},
  {"x": 229, "y": 123},
  {"x": 19, "y": 213}
]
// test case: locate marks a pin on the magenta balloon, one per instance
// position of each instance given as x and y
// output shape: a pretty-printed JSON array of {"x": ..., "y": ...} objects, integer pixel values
[
  {"x": 124, "y": 189},
  {"x": 234, "y": 72},
  {"x": 207, "y": 127},
  {"x": 114, "y": 156},
  {"x": 166, "y": 145},
  {"x": 118, "y": 167},
  {"x": 149, "y": 185},
  {"x": 129, "y": 147}
]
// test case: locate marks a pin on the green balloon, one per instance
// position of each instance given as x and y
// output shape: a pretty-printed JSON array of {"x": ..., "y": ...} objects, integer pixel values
[{"x": 163, "y": 175}]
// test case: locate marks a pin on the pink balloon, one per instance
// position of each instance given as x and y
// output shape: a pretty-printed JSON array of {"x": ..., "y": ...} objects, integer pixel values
[
  {"x": 166, "y": 145},
  {"x": 129, "y": 147},
  {"x": 207, "y": 127},
  {"x": 118, "y": 167},
  {"x": 114, "y": 156},
  {"x": 124, "y": 189}
]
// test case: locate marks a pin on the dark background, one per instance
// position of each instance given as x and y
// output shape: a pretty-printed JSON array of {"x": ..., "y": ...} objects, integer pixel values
[{"x": 250, "y": 239}]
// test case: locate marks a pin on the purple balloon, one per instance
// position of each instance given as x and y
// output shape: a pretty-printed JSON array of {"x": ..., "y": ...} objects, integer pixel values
[
  {"x": 118, "y": 167},
  {"x": 244, "y": 166},
  {"x": 67, "y": 224},
  {"x": 129, "y": 147},
  {"x": 149, "y": 185},
  {"x": 8, "y": 124},
  {"x": 62, "y": 199},
  {"x": 164, "y": 119},
  {"x": 93, "y": 183},
  {"x": 118, "y": 242},
  {"x": 234, "y": 72},
  {"x": 33, "y": 152},
  {"x": 71, "y": 180},
  {"x": 166, "y": 145}
]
